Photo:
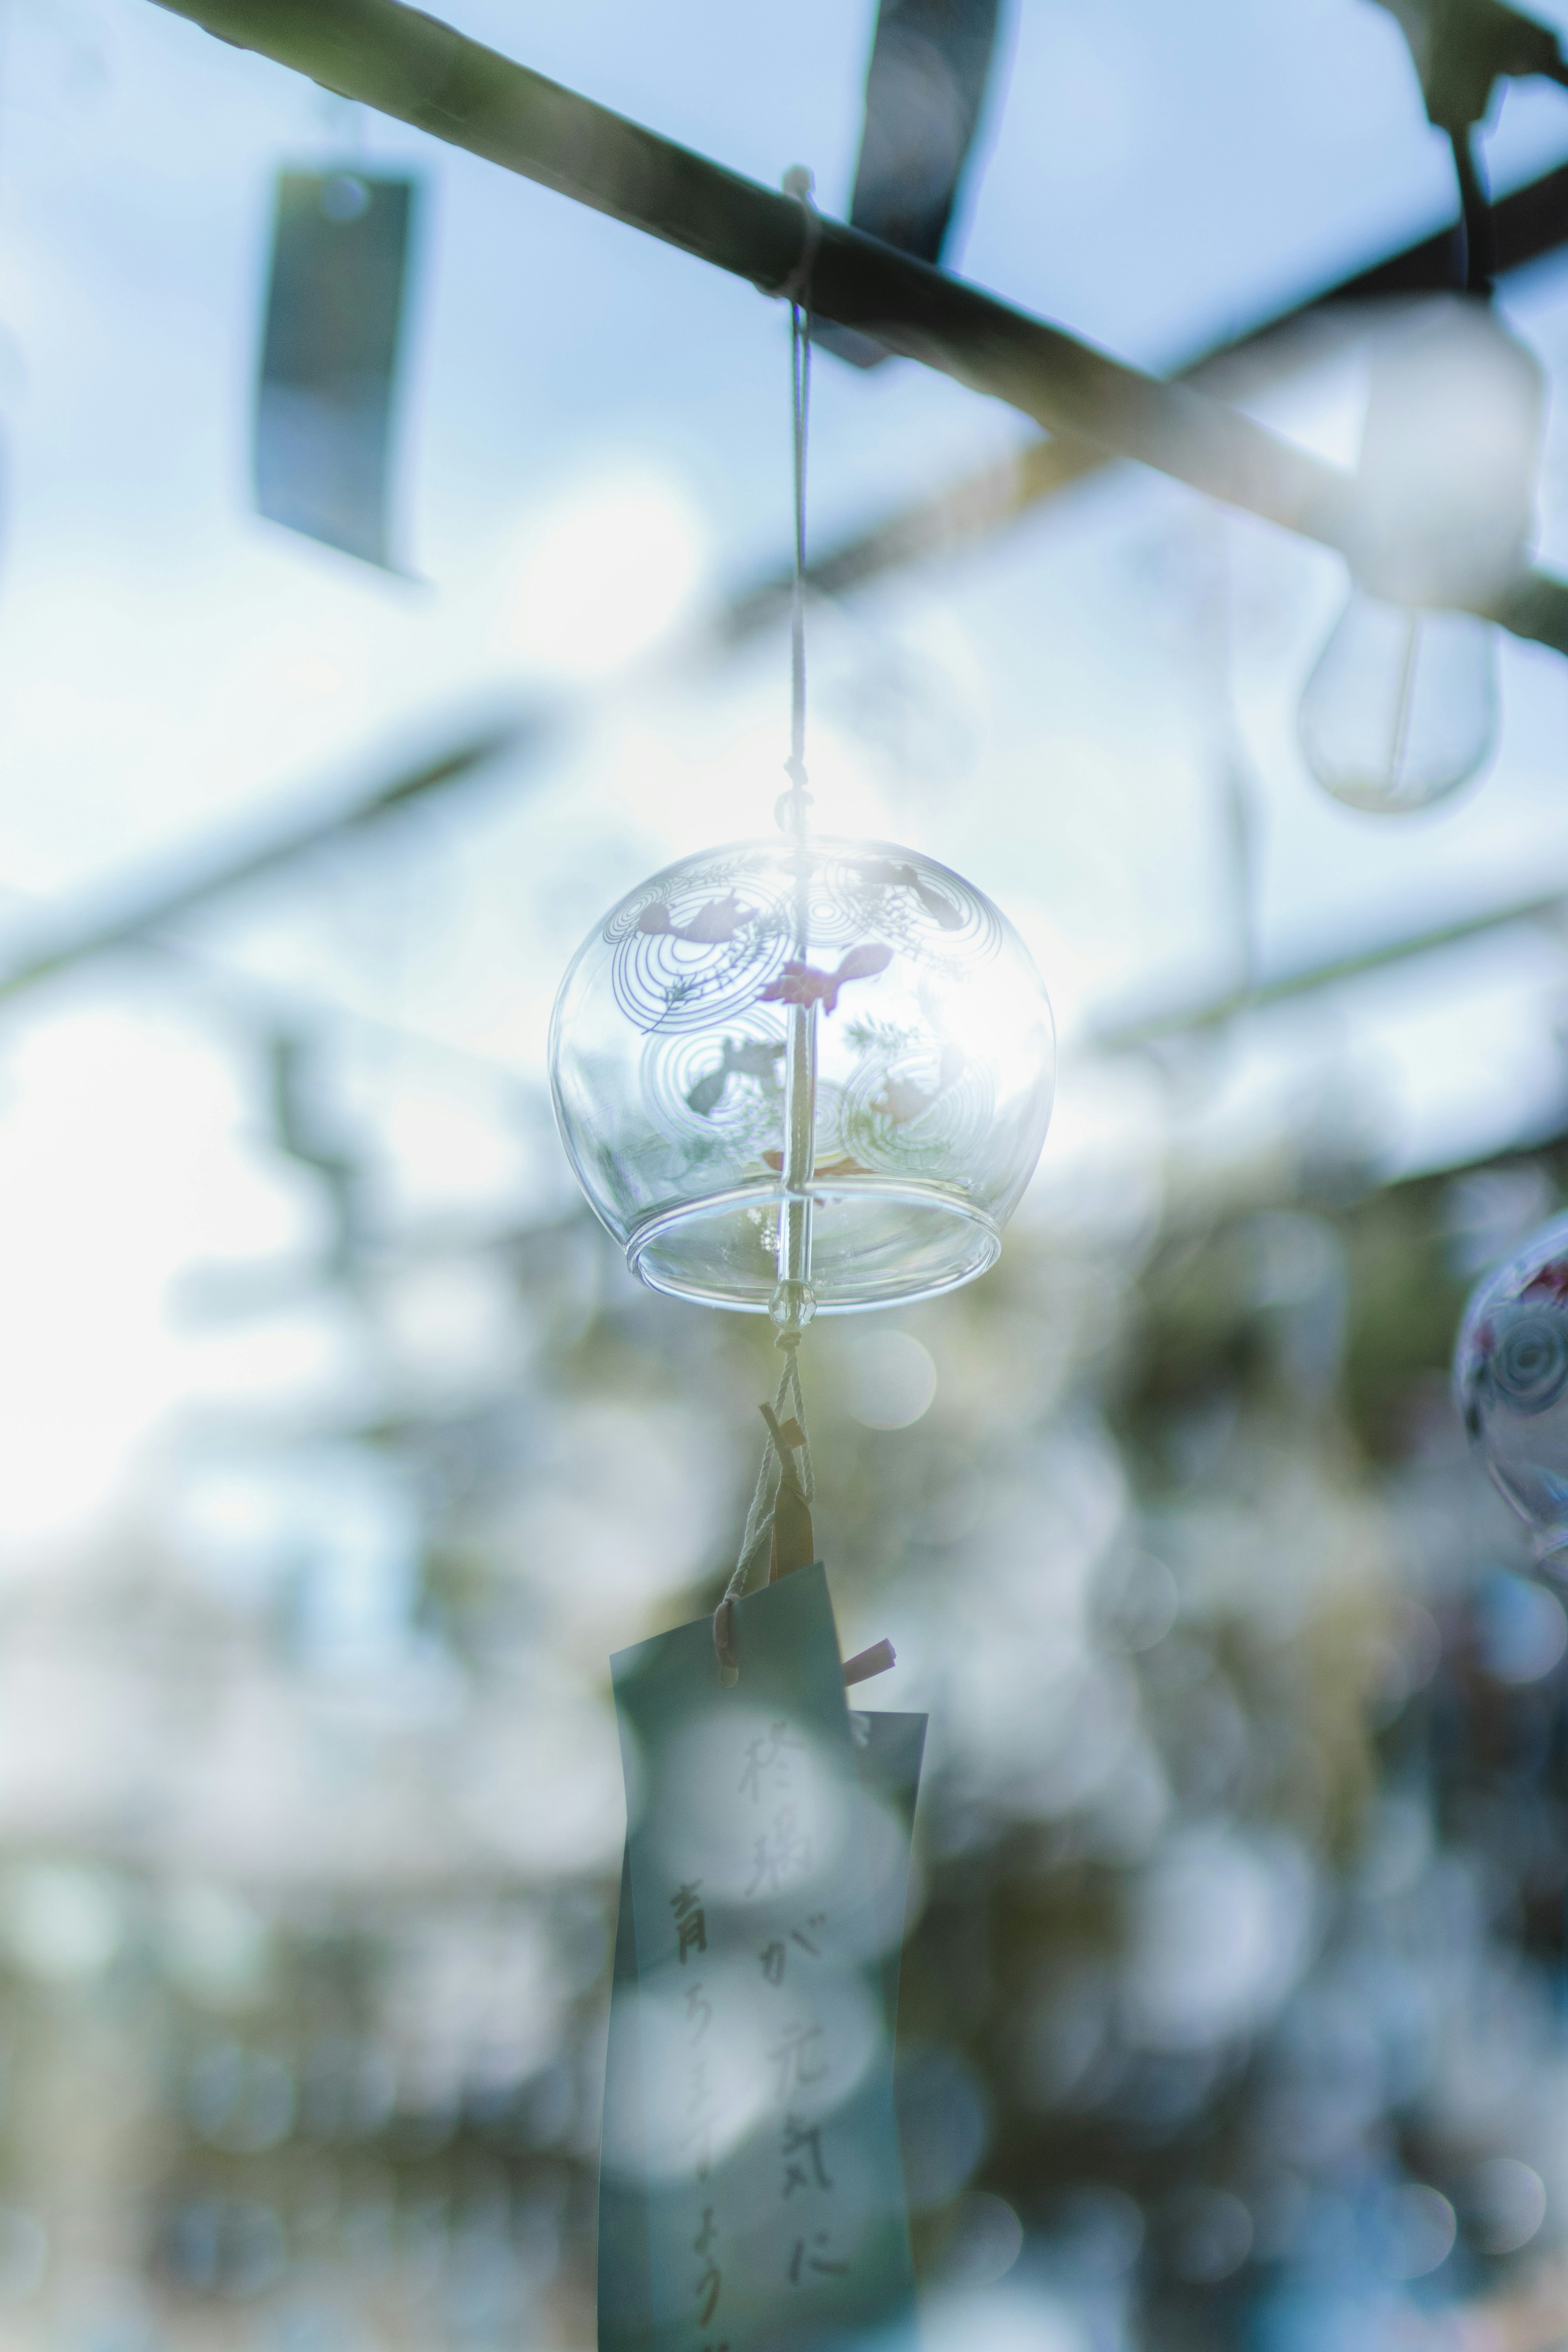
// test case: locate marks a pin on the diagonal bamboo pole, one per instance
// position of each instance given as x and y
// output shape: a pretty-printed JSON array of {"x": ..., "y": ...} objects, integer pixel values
[
  {"x": 140, "y": 905},
  {"x": 1530, "y": 221}
]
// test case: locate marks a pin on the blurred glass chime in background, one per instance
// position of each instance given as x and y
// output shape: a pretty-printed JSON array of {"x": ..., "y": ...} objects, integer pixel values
[
  {"x": 1511, "y": 1382},
  {"x": 1402, "y": 706}
]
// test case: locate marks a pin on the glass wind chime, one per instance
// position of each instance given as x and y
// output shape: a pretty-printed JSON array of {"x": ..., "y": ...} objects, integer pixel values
[
  {"x": 1401, "y": 707},
  {"x": 794, "y": 1075},
  {"x": 803, "y": 1075},
  {"x": 1511, "y": 1384}
]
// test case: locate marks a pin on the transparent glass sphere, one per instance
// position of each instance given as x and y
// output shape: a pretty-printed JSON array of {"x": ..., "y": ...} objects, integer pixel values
[
  {"x": 1511, "y": 1382},
  {"x": 1401, "y": 708},
  {"x": 693, "y": 1016}
]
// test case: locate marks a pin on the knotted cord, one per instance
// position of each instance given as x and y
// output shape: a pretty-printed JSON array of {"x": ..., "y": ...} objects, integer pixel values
[{"x": 758, "y": 1517}]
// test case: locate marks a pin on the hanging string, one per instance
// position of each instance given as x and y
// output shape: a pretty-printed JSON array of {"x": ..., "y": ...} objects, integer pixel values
[
  {"x": 793, "y": 805},
  {"x": 788, "y": 1416},
  {"x": 1476, "y": 240}
]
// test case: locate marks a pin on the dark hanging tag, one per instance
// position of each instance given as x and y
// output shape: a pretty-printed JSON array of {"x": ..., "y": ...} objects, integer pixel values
[
  {"x": 929, "y": 65},
  {"x": 751, "y": 2193},
  {"x": 323, "y": 409}
]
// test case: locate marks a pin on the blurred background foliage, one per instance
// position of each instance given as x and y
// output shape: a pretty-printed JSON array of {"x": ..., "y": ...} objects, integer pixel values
[{"x": 1232, "y": 2001}]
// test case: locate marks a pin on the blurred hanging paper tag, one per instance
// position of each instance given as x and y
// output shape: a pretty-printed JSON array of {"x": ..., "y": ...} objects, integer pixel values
[
  {"x": 751, "y": 2194},
  {"x": 324, "y": 407}
]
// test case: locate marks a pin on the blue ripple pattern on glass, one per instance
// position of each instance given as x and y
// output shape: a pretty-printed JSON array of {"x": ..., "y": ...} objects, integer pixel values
[
  {"x": 930, "y": 1053},
  {"x": 1510, "y": 1383}
]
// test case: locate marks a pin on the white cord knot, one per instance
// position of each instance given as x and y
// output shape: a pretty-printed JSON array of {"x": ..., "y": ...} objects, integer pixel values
[{"x": 799, "y": 182}]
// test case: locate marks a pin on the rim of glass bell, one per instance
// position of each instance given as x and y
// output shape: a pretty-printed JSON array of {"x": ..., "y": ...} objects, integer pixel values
[{"x": 876, "y": 1242}]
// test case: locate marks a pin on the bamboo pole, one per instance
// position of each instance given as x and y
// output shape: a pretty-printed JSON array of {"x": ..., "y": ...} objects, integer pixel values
[{"x": 406, "y": 64}]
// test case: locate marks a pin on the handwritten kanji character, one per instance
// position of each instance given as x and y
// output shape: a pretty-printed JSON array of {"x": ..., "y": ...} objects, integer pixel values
[
  {"x": 791, "y": 2057},
  {"x": 707, "y": 2232},
  {"x": 772, "y": 1957},
  {"x": 781, "y": 1854},
  {"x": 690, "y": 1923},
  {"x": 800, "y": 2140},
  {"x": 698, "y": 2011},
  {"x": 815, "y": 2262},
  {"x": 770, "y": 1755}
]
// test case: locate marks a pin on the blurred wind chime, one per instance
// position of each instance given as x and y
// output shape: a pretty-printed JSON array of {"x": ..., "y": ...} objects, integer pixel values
[
  {"x": 1449, "y": 457},
  {"x": 794, "y": 1076},
  {"x": 1401, "y": 708},
  {"x": 1511, "y": 1385}
]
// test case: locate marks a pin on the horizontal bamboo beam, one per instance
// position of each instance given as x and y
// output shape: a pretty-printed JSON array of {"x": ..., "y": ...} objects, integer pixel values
[
  {"x": 408, "y": 65},
  {"x": 1309, "y": 980},
  {"x": 138, "y": 907}
]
